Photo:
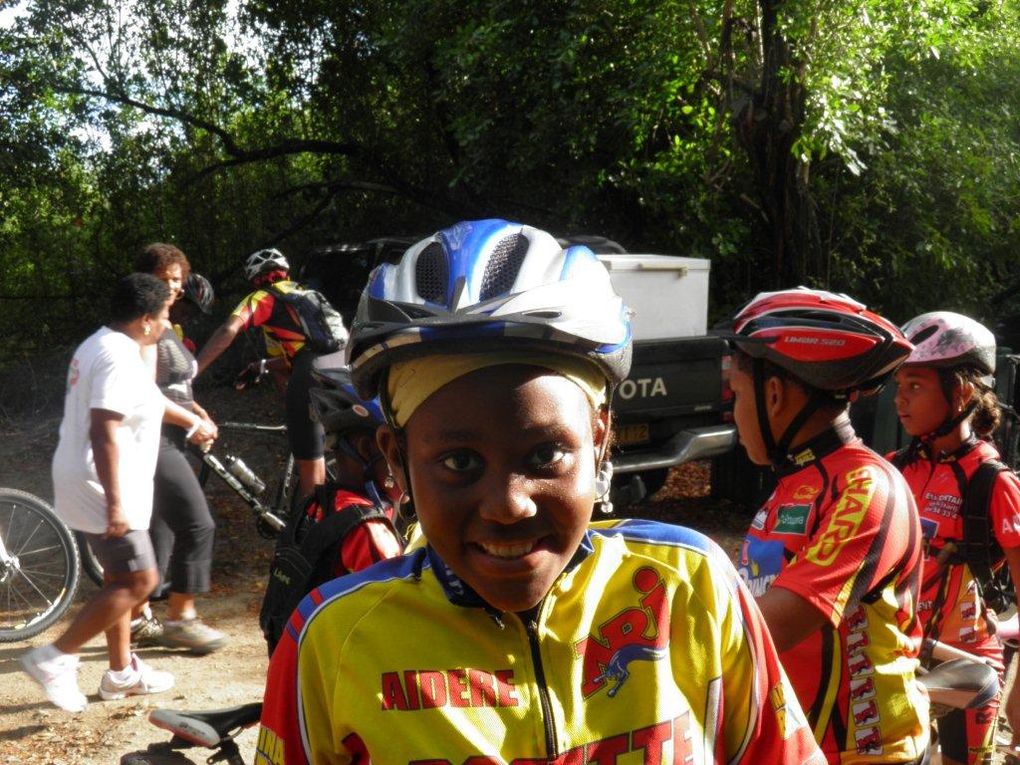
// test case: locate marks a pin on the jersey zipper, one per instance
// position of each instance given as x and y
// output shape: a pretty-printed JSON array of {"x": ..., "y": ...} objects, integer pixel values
[{"x": 531, "y": 628}]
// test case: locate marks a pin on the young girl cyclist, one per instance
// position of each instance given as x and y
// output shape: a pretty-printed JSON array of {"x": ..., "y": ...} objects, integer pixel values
[
  {"x": 945, "y": 402},
  {"x": 520, "y": 632}
]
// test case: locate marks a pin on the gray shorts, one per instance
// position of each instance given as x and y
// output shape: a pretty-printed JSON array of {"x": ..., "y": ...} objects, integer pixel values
[{"x": 124, "y": 555}]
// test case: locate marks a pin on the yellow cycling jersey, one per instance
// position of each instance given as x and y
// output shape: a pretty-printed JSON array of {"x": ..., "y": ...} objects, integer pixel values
[{"x": 648, "y": 649}]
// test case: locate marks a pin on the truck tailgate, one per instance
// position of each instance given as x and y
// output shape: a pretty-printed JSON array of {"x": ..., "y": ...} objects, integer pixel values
[{"x": 672, "y": 378}]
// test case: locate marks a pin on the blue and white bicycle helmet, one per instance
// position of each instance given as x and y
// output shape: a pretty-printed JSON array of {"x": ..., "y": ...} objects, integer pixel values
[{"x": 486, "y": 281}]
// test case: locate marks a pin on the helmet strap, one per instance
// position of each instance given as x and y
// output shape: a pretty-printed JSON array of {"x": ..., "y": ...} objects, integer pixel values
[
  {"x": 814, "y": 402},
  {"x": 947, "y": 381},
  {"x": 950, "y": 424},
  {"x": 778, "y": 451},
  {"x": 767, "y": 439}
]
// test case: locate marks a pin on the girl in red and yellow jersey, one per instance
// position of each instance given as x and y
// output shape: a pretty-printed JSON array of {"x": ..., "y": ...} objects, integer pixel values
[{"x": 945, "y": 403}]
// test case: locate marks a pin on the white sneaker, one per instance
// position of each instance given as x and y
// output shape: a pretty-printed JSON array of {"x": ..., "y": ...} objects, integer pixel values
[
  {"x": 144, "y": 679},
  {"x": 57, "y": 676}
]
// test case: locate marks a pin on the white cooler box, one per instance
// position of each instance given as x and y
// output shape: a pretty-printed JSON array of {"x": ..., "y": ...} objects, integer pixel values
[{"x": 668, "y": 294}]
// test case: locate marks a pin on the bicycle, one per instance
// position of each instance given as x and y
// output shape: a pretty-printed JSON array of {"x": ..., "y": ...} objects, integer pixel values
[
  {"x": 39, "y": 566},
  {"x": 959, "y": 679},
  {"x": 249, "y": 486}
]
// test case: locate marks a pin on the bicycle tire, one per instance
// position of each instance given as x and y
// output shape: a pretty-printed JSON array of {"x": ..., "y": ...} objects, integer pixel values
[
  {"x": 39, "y": 586},
  {"x": 89, "y": 562}
]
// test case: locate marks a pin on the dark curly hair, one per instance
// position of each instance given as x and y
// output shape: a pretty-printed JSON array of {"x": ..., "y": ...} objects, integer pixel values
[
  {"x": 987, "y": 414},
  {"x": 158, "y": 256}
]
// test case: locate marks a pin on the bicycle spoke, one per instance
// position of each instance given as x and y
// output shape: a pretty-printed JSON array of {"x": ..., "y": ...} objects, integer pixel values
[{"x": 40, "y": 586}]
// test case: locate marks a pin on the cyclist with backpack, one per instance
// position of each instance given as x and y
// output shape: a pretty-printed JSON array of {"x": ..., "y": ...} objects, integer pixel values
[
  {"x": 520, "y": 632},
  {"x": 834, "y": 555},
  {"x": 349, "y": 523},
  {"x": 298, "y": 325},
  {"x": 969, "y": 504}
]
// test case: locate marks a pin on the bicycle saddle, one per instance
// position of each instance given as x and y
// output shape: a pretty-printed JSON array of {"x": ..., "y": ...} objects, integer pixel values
[
  {"x": 208, "y": 729},
  {"x": 961, "y": 684}
]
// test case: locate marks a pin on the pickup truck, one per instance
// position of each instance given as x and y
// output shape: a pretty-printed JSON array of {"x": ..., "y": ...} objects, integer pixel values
[
  {"x": 671, "y": 409},
  {"x": 674, "y": 407}
]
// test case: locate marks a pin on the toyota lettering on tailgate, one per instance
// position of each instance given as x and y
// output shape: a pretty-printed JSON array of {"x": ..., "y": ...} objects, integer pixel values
[{"x": 642, "y": 387}]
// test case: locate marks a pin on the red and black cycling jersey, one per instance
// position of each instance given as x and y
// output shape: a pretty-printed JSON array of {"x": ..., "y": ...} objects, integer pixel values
[
  {"x": 368, "y": 542},
  {"x": 280, "y": 326},
  {"x": 950, "y": 603},
  {"x": 841, "y": 531}
]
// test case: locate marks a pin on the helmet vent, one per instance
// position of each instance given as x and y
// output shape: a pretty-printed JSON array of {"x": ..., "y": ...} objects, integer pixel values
[
  {"x": 502, "y": 268},
  {"x": 431, "y": 273}
]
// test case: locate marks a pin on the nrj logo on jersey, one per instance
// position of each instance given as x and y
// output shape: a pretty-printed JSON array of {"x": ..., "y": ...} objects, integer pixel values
[{"x": 638, "y": 633}]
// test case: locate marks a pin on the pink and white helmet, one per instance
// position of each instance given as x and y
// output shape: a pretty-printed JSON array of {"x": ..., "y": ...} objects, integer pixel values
[{"x": 943, "y": 339}]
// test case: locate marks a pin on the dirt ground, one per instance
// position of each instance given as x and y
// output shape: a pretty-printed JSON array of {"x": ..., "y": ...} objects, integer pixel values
[{"x": 32, "y": 732}]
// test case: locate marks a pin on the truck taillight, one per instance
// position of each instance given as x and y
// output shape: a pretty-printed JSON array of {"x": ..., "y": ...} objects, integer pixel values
[{"x": 727, "y": 392}]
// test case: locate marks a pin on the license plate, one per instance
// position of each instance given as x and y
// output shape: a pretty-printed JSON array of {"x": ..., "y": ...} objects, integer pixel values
[{"x": 632, "y": 434}]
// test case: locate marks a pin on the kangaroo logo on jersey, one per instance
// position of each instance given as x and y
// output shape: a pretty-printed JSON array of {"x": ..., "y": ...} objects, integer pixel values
[{"x": 636, "y": 634}]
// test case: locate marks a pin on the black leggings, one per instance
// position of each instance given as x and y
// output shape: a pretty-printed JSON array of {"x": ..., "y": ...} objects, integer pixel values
[
  {"x": 306, "y": 436},
  {"x": 182, "y": 528}
]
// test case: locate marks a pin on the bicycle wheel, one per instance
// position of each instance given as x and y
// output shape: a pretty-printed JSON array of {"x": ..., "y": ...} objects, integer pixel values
[
  {"x": 39, "y": 573},
  {"x": 89, "y": 562}
]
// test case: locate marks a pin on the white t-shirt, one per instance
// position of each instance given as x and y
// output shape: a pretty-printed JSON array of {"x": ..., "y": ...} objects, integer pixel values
[{"x": 107, "y": 372}]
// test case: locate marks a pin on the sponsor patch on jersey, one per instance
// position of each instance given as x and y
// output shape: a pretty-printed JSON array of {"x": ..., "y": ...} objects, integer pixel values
[
  {"x": 806, "y": 491},
  {"x": 760, "y": 563},
  {"x": 758, "y": 522},
  {"x": 789, "y": 716},
  {"x": 634, "y": 636},
  {"x": 865, "y": 713},
  {"x": 869, "y": 741},
  {"x": 792, "y": 519},
  {"x": 804, "y": 457},
  {"x": 929, "y": 528},
  {"x": 846, "y": 518}
]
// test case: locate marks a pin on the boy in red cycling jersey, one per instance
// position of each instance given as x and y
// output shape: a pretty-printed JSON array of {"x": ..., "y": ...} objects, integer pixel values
[
  {"x": 833, "y": 556},
  {"x": 945, "y": 402}
]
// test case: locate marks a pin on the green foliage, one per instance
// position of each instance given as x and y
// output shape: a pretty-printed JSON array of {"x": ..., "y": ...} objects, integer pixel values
[{"x": 868, "y": 146}]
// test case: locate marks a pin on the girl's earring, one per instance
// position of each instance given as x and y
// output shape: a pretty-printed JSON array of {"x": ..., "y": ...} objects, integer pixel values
[
  {"x": 147, "y": 330},
  {"x": 388, "y": 481},
  {"x": 603, "y": 484}
]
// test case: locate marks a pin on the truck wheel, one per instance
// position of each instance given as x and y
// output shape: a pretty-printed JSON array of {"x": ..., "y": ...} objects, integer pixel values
[
  {"x": 631, "y": 488},
  {"x": 654, "y": 480}
]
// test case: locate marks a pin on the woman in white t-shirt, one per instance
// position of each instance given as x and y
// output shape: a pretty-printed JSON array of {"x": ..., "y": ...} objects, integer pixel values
[{"x": 102, "y": 477}]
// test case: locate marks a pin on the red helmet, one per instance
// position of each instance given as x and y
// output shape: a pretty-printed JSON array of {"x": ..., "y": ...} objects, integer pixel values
[{"x": 826, "y": 339}]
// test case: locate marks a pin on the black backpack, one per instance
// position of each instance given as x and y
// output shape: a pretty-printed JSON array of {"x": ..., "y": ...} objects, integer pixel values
[
  {"x": 979, "y": 548},
  {"x": 321, "y": 324},
  {"x": 305, "y": 556}
]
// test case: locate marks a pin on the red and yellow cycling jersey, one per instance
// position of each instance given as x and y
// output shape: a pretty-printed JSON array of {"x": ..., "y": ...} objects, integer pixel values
[
  {"x": 949, "y": 594},
  {"x": 648, "y": 649},
  {"x": 280, "y": 326},
  {"x": 841, "y": 531}
]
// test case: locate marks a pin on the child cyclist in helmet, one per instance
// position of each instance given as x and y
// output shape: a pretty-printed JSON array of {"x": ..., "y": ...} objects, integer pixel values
[
  {"x": 945, "y": 402},
  {"x": 520, "y": 632},
  {"x": 833, "y": 556},
  {"x": 347, "y": 524}
]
